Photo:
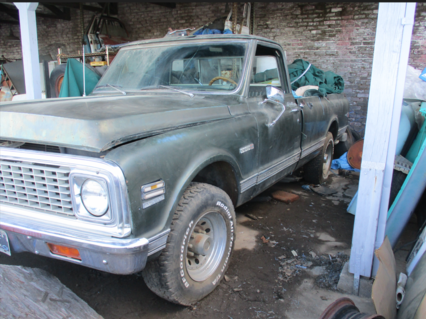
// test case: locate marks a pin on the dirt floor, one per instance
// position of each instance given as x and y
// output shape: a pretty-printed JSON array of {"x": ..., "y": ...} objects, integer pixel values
[{"x": 286, "y": 263}]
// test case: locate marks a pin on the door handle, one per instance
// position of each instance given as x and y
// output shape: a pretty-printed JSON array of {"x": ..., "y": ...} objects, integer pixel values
[
  {"x": 276, "y": 103},
  {"x": 294, "y": 110}
]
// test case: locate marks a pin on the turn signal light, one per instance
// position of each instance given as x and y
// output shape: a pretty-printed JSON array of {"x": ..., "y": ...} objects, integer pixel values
[{"x": 64, "y": 251}]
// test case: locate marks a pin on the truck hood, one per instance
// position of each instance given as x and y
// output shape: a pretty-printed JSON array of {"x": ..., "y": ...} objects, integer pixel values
[{"x": 99, "y": 123}]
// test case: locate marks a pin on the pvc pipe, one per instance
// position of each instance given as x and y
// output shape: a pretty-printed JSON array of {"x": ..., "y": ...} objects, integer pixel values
[
  {"x": 84, "y": 73},
  {"x": 400, "y": 289}
]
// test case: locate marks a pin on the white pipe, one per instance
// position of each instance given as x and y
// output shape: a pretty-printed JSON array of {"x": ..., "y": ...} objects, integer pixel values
[
  {"x": 400, "y": 289},
  {"x": 84, "y": 74}
]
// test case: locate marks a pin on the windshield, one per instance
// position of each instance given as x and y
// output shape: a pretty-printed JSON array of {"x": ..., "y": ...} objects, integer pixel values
[{"x": 192, "y": 67}]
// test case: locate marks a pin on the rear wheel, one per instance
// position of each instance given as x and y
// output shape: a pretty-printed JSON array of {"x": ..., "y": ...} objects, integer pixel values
[
  {"x": 198, "y": 248},
  {"x": 317, "y": 170}
]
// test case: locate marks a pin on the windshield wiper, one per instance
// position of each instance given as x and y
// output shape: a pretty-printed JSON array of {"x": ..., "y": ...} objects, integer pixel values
[
  {"x": 115, "y": 87},
  {"x": 170, "y": 88},
  {"x": 166, "y": 87}
]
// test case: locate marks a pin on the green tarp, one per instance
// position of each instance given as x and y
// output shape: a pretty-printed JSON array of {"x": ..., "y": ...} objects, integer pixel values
[
  {"x": 72, "y": 84},
  {"x": 328, "y": 82}
]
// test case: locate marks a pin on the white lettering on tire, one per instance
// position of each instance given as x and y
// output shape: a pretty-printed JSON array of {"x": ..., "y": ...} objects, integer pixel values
[
  {"x": 182, "y": 250},
  {"x": 231, "y": 240}
]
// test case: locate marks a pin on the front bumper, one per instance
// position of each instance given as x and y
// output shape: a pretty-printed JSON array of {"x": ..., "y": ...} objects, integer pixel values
[{"x": 113, "y": 255}]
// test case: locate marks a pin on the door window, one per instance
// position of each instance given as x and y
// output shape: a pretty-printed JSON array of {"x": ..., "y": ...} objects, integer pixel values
[{"x": 265, "y": 72}]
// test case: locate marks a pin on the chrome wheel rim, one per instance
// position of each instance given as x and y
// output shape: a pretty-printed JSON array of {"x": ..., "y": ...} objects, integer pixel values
[
  {"x": 206, "y": 246},
  {"x": 327, "y": 160}
]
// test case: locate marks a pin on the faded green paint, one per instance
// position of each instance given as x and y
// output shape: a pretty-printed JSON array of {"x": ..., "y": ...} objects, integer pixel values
[{"x": 171, "y": 136}]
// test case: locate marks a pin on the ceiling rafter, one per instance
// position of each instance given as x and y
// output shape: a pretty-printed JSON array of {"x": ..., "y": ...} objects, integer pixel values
[
  {"x": 171, "y": 5},
  {"x": 15, "y": 22},
  {"x": 13, "y": 12}
]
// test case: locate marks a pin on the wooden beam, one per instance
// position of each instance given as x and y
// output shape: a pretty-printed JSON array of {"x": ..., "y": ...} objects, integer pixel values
[
  {"x": 14, "y": 13},
  {"x": 171, "y": 5},
  {"x": 408, "y": 24},
  {"x": 76, "y": 5},
  {"x": 10, "y": 11},
  {"x": 9, "y": 22},
  {"x": 384, "y": 109},
  {"x": 113, "y": 8},
  {"x": 65, "y": 14}
]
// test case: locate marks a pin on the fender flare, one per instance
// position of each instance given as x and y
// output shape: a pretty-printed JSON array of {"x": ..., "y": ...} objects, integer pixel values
[
  {"x": 330, "y": 123},
  {"x": 189, "y": 175}
]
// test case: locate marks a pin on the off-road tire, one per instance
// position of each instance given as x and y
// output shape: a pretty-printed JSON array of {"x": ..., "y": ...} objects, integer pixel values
[
  {"x": 168, "y": 276},
  {"x": 56, "y": 78},
  {"x": 313, "y": 170}
]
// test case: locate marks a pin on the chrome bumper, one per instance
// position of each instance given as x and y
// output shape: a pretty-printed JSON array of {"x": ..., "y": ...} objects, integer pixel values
[{"x": 113, "y": 255}]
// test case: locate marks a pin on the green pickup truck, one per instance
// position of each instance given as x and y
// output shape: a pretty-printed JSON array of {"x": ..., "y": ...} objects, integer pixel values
[{"x": 145, "y": 172}]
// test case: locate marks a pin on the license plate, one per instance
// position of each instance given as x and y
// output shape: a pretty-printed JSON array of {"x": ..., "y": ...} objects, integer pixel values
[{"x": 4, "y": 243}]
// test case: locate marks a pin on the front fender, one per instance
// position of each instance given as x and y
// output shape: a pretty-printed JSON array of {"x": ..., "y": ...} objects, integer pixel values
[{"x": 176, "y": 157}]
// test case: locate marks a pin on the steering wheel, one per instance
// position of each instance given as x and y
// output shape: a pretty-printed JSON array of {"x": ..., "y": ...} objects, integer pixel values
[{"x": 222, "y": 78}]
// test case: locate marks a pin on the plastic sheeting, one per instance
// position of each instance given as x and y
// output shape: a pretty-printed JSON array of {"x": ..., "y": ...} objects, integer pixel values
[
  {"x": 415, "y": 87},
  {"x": 211, "y": 31},
  {"x": 342, "y": 163},
  {"x": 72, "y": 84},
  {"x": 303, "y": 73}
]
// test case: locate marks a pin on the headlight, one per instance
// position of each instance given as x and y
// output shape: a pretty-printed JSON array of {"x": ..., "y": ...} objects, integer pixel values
[{"x": 95, "y": 197}]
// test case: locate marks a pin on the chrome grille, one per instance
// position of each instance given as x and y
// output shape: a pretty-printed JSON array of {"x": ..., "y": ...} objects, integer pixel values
[{"x": 36, "y": 186}]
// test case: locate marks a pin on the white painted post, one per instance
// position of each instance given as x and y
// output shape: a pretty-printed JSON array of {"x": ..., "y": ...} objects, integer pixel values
[
  {"x": 384, "y": 108},
  {"x": 407, "y": 23},
  {"x": 28, "y": 25}
]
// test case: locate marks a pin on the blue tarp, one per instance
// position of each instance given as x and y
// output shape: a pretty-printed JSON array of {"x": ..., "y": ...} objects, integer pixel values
[
  {"x": 342, "y": 163},
  {"x": 211, "y": 31},
  {"x": 423, "y": 75}
]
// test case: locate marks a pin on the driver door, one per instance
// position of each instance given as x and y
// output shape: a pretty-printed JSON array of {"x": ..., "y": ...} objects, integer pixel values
[{"x": 279, "y": 131}]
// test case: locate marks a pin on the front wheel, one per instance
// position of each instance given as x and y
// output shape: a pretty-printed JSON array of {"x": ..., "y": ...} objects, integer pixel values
[
  {"x": 317, "y": 170},
  {"x": 198, "y": 248}
]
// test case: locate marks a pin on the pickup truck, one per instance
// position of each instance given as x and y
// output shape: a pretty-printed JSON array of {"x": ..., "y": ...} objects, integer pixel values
[{"x": 145, "y": 172}]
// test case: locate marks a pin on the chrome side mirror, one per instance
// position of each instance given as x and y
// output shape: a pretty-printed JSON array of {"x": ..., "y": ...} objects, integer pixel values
[{"x": 275, "y": 94}]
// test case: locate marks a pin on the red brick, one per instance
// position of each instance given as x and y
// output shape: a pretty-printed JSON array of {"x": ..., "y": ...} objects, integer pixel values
[{"x": 285, "y": 196}]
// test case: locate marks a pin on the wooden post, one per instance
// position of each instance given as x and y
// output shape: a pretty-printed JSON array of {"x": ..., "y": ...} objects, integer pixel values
[
  {"x": 234, "y": 17},
  {"x": 384, "y": 109},
  {"x": 28, "y": 25},
  {"x": 407, "y": 23}
]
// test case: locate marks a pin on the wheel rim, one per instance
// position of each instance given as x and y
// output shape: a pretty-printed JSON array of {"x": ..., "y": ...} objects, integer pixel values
[
  {"x": 327, "y": 160},
  {"x": 206, "y": 246}
]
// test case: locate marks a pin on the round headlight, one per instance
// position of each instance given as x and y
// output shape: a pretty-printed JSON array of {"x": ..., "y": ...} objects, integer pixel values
[{"x": 95, "y": 197}]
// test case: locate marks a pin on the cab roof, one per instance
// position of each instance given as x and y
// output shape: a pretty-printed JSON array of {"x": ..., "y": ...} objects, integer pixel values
[{"x": 198, "y": 38}]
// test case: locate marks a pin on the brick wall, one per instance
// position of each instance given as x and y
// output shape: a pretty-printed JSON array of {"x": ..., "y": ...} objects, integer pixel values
[
  {"x": 332, "y": 36},
  {"x": 52, "y": 34}
]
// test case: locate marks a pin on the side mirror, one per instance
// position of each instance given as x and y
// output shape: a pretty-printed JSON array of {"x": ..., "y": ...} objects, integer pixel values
[{"x": 274, "y": 94}]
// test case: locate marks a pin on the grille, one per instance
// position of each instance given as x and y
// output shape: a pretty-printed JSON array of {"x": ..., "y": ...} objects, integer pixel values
[
  {"x": 36, "y": 186},
  {"x": 39, "y": 147}
]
